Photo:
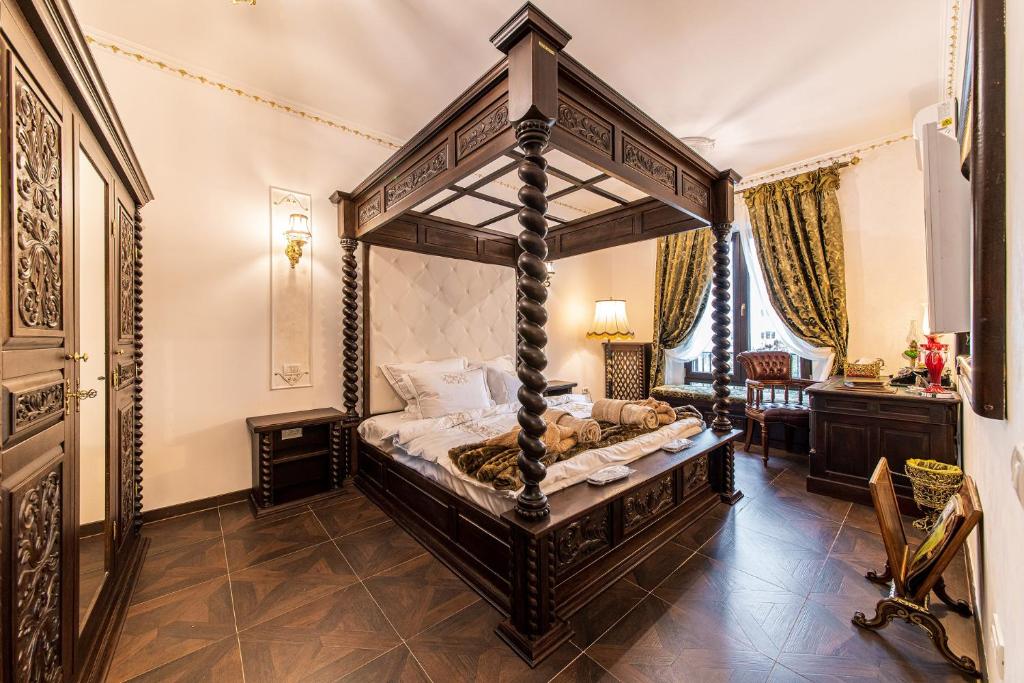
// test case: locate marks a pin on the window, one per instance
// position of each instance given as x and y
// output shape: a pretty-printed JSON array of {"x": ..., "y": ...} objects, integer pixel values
[{"x": 753, "y": 329}]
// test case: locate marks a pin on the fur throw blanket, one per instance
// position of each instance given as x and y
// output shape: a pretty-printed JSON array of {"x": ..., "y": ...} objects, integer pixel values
[{"x": 495, "y": 463}]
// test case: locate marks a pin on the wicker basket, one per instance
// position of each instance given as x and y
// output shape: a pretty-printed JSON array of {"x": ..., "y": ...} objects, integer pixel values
[{"x": 933, "y": 483}]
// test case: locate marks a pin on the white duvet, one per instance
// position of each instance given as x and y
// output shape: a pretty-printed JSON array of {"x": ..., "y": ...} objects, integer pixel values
[{"x": 424, "y": 444}]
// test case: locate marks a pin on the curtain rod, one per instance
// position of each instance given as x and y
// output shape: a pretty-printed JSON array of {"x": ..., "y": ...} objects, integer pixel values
[
  {"x": 793, "y": 171},
  {"x": 845, "y": 157}
]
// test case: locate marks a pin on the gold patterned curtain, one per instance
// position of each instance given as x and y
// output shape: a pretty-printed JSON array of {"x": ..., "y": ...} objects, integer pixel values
[
  {"x": 799, "y": 238},
  {"x": 682, "y": 282}
]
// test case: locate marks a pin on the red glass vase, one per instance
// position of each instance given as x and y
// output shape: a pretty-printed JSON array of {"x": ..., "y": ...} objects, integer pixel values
[{"x": 934, "y": 361}]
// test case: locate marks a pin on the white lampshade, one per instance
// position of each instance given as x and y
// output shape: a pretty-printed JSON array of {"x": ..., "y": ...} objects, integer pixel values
[
  {"x": 610, "y": 321},
  {"x": 298, "y": 228}
]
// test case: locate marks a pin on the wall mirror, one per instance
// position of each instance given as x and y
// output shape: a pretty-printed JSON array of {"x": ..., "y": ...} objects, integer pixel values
[
  {"x": 291, "y": 288},
  {"x": 93, "y": 214}
]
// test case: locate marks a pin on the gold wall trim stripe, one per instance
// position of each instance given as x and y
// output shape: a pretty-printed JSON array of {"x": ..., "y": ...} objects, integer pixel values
[
  {"x": 190, "y": 75},
  {"x": 951, "y": 47},
  {"x": 819, "y": 162},
  {"x": 182, "y": 72}
]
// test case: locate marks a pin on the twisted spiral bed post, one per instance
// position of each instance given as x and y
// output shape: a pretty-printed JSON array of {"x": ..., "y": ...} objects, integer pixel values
[
  {"x": 532, "y": 136},
  {"x": 720, "y": 328},
  {"x": 350, "y": 326}
]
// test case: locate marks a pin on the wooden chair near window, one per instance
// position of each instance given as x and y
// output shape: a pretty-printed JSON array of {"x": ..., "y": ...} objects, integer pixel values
[{"x": 771, "y": 372}]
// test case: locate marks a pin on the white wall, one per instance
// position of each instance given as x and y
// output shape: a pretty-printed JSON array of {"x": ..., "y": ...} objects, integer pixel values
[
  {"x": 211, "y": 158},
  {"x": 881, "y": 201},
  {"x": 625, "y": 272},
  {"x": 997, "y": 553}
]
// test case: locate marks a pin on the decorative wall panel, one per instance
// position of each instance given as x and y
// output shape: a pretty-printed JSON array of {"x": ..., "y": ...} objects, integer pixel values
[
  {"x": 417, "y": 176},
  {"x": 125, "y": 275},
  {"x": 586, "y": 126},
  {"x": 37, "y": 513},
  {"x": 582, "y": 538},
  {"x": 291, "y": 291},
  {"x": 482, "y": 129},
  {"x": 125, "y": 468},
  {"x": 644, "y": 161},
  {"x": 33, "y": 401},
  {"x": 647, "y": 503},
  {"x": 37, "y": 237}
]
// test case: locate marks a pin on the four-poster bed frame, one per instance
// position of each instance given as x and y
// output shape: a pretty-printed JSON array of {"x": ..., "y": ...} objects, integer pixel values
[{"x": 544, "y": 560}]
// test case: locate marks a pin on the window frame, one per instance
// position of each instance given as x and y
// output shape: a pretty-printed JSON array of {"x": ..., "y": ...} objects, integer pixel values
[{"x": 740, "y": 300}]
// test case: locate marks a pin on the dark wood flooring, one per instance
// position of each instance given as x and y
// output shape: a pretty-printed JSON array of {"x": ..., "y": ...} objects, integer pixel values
[{"x": 763, "y": 591}]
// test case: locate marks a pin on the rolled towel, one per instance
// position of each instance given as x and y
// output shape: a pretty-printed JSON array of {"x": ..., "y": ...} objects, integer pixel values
[
  {"x": 608, "y": 410},
  {"x": 622, "y": 412},
  {"x": 553, "y": 436},
  {"x": 666, "y": 414},
  {"x": 633, "y": 414},
  {"x": 585, "y": 430}
]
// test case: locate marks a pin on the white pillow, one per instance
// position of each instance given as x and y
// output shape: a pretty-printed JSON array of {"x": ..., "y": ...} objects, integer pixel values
[
  {"x": 395, "y": 374},
  {"x": 495, "y": 370},
  {"x": 441, "y": 393}
]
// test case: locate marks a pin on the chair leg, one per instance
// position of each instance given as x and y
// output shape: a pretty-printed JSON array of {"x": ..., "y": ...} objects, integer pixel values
[
  {"x": 750, "y": 434},
  {"x": 764, "y": 443}
]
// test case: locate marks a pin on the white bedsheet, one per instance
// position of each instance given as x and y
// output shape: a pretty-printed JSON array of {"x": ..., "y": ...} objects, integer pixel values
[{"x": 423, "y": 445}]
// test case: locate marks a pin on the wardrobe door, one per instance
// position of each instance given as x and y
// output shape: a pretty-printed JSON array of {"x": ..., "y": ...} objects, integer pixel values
[
  {"x": 93, "y": 230},
  {"x": 38, "y": 373},
  {"x": 123, "y": 363}
]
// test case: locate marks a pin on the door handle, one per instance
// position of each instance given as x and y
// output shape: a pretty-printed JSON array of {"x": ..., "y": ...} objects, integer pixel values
[
  {"x": 78, "y": 395},
  {"x": 84, "y": 357}
]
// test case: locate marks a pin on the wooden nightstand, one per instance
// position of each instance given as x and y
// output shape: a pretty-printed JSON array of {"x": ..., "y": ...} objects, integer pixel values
[
  {"x": 296, "y": 458},
  {"x": 559, "y": 387}
]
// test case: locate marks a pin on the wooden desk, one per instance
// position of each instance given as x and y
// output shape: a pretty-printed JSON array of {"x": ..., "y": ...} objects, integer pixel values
[{"x": 851, "y": 430}]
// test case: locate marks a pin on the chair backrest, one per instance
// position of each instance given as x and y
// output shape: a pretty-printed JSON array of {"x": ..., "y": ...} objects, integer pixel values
[
  {"x": 883, "y": 494},
  {"x": 767, "y": 366}
]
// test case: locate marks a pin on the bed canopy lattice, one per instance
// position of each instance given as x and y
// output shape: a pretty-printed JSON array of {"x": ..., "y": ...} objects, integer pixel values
[{"x": 576, "y": 147}]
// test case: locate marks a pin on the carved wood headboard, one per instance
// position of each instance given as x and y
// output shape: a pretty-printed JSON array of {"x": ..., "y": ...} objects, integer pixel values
[{"x": 429, "y": 307}]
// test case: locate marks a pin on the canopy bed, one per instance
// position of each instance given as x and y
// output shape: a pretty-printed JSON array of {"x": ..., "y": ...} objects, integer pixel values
[{"x": 537, "y": 558}]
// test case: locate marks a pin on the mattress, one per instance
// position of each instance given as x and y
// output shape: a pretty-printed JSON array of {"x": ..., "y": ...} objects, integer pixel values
[{"x": 423, "y": 447}]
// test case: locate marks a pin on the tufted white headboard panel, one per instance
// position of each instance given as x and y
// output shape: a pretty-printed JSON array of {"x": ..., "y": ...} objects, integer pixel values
[{"x": 430, "y": 307}]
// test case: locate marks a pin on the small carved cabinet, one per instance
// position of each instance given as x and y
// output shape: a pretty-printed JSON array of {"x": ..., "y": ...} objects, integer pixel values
[
  {"x": 297, "y": 457},
  {"x": 851, "y": 430}
]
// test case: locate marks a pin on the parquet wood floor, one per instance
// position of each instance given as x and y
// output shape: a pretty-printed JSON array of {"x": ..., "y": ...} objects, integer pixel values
[{"x": 763, "y": 591}]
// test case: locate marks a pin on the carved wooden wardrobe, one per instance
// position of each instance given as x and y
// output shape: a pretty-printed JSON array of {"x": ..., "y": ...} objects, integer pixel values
[{"x": 71, "y": 450}]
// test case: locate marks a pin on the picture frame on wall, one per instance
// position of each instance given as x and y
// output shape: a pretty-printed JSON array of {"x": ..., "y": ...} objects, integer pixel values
[{"x": 965, "y": 105}]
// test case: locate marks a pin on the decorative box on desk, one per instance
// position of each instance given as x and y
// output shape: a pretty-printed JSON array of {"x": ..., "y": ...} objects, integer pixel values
[
  {"x": 296, "y": 458},
  {"x": 852, "y": 428}
]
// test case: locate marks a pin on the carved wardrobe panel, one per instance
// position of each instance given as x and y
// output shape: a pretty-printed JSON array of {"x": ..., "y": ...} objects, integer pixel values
[{"x": 55, "y": 113}]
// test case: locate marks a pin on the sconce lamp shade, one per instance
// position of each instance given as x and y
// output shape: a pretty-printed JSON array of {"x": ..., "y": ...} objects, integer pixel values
[
  {"x": 297, "y": 235},
  {"x": 298, "y": 227},
  {"x": 610, "y": 321}
]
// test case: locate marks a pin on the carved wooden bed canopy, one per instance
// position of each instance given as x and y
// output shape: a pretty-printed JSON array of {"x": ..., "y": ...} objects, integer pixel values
[{"x": 646, "y": 184}]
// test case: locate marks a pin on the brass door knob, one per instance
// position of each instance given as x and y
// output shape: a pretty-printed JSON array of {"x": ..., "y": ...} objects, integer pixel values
[{"x": 84, "y": 357}]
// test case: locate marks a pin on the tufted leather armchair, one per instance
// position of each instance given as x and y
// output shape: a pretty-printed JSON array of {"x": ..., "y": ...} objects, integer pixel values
[{"x": 769, "y": 372}]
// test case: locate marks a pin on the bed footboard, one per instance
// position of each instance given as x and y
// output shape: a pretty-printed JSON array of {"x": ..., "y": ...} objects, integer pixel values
[{"x": 541, "y": 573}]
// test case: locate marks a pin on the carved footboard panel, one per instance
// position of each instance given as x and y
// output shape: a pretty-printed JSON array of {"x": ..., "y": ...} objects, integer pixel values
[{"x": 541, "y": 573}]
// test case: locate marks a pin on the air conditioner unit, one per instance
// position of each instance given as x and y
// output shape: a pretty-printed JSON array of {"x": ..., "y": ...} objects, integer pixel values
[{"x": 947, "y": 219}]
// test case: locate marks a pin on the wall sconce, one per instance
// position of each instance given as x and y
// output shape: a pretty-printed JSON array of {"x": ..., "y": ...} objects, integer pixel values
[
  {"x": 549, "y": 268},
  {"x": 297, "y": 235},
  {"x": 610, "y": 321}
]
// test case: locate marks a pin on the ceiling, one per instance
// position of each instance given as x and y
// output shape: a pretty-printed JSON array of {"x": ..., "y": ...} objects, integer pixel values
[{"x": 771, "y": 82}]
